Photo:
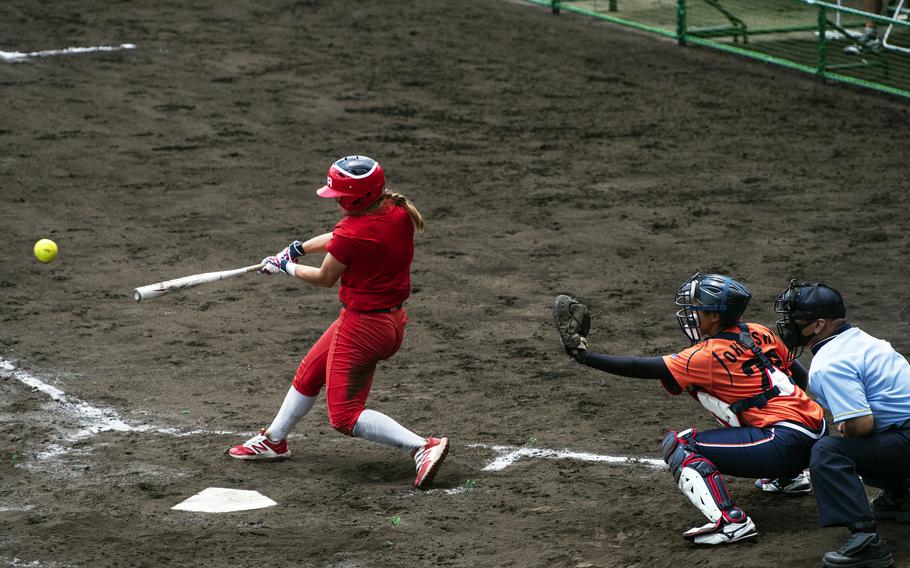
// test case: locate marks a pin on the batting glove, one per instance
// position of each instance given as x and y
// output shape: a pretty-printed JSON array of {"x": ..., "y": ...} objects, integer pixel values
[
  {"x": 291, "y": 252},
  {"x": 270, "y": 265}
]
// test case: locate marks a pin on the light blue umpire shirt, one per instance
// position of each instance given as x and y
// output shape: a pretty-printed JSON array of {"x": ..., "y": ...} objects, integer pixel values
[{"x": 854, "y": 374}]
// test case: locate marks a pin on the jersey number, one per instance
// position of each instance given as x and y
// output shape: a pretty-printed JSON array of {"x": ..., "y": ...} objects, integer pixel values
[{"x": 752, "y": 366}]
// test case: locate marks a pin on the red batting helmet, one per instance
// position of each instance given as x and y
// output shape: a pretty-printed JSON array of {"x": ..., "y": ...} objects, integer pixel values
[{"x": 357, "y": 182}]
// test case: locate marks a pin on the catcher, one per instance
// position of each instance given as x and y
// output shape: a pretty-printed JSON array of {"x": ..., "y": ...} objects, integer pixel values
[{"x": 736, "y": 371}]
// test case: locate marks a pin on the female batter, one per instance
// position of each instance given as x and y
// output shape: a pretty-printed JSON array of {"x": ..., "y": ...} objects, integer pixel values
[{"x": 370, "y": 250}]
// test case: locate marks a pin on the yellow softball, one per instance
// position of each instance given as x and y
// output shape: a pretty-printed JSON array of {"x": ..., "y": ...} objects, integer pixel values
[{"x": 45, "y": 250}]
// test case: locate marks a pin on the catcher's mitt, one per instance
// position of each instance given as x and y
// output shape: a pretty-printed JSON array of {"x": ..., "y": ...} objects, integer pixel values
[{"x": 573, "y": 322}]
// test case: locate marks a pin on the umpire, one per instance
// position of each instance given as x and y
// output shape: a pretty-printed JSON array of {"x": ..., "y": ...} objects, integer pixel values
[{"x": 865, "y": 384}]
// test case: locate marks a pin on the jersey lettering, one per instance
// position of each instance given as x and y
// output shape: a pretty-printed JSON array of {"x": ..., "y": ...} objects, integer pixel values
[{"x": 730, "y": 372}]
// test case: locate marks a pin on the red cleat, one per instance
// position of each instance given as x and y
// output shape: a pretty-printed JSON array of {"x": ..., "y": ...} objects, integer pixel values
[
  {"x": 260, "y": 448},
  {"x": 428, "y": 459}
]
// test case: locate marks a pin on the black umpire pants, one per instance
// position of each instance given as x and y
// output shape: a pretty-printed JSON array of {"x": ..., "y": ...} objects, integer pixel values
[{"x": 882, "y": 459}]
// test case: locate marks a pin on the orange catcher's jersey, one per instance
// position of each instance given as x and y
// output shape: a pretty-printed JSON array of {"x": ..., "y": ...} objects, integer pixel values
[{"x": 730, "y": 371}]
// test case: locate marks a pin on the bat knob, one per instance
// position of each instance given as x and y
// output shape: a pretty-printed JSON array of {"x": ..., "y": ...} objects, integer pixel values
[{"x": 136, "y": 295}]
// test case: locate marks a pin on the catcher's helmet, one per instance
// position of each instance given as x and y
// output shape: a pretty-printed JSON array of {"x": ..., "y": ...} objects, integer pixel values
[
  {"x": 805, "y": 302},
  {"x": 357, "y": 182},
  {"x": 709, "y": 293}
]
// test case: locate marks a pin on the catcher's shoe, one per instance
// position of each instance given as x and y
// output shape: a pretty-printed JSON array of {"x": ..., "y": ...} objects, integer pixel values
[
  {"x": 721, "y": 532},
  {"x": 260, "y": 448},
  {"x": 428, "y": 458},
  {"x": 787, "y": 486}
]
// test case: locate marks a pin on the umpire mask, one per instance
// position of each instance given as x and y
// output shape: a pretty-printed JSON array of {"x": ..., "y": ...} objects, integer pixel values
[{"x": 806, "y": 302}]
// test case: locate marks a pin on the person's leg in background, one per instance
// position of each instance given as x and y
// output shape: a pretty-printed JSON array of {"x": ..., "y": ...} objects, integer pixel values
[{"x": 868, "y": 41}]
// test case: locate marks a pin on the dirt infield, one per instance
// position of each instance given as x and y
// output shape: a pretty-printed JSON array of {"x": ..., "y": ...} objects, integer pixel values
[{"x": 547, "y": 153}]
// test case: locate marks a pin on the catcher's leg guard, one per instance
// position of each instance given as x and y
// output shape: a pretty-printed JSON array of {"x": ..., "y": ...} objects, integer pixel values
[{"x": 699, "y": 479}]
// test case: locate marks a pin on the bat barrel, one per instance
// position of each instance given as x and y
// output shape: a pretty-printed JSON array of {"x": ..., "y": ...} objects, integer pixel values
[
  {"x": 146, "y": 292},
  {"x": 161, "y": 288}
]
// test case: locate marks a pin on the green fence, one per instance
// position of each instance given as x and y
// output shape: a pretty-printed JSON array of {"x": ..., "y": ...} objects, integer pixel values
[{"x": 807, "y": 35}]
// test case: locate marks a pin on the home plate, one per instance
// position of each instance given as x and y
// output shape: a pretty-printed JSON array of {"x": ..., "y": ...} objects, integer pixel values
[{"x": 221, "y": 500}]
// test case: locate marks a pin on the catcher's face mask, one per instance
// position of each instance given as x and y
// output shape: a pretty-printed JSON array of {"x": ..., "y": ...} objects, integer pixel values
[
  {"x": 689, "y": 323},
  {"x": 687, "y": 317}
]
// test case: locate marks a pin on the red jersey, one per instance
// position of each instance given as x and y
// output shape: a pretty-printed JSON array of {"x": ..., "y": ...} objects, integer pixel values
[
  {"x": 377, "y": 248},
  {"x": 730, "y": 371}
]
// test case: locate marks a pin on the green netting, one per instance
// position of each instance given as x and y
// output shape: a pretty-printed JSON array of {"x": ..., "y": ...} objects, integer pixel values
[{"x": 808, "y": 35}]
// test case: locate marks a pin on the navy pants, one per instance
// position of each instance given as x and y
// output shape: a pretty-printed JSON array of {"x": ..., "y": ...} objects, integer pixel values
[
  {"x": 756, "y": 452},
  {"x": 882, "y": 459}
]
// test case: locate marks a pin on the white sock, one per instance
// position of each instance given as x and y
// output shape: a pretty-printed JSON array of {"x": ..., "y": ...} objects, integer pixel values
[
  {"x": 377, "y": 427},
  {"x": 294, "y": 407}
]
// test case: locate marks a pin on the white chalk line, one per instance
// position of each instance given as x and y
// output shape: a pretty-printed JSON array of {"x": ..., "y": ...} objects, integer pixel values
[
  {"x": 91, "y": 419},
  {"x": 19, "y": 56},
  {"x": 507, "y": 455},
  {"x": 94, "y": 420}
]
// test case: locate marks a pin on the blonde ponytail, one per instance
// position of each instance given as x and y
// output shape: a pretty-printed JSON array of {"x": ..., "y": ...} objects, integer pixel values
[{"x": 416, "y": 217}]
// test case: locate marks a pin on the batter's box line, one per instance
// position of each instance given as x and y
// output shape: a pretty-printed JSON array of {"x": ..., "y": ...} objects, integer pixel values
[
  {"x": 93, "y": 420},
  {"x": 508, "y": 455},
  {"x": 14, "y": 56}
]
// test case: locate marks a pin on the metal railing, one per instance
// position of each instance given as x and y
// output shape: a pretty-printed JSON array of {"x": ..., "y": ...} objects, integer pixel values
[{"x": 804, "y": 35}]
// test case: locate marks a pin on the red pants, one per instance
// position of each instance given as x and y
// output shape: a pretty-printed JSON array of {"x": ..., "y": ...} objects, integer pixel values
[{"x": 345, "y": 357}]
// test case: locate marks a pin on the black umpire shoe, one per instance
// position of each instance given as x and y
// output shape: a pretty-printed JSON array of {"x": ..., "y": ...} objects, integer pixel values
[
  {"x": 863, "y": 550},
  {"x": 887, "y": 506}
]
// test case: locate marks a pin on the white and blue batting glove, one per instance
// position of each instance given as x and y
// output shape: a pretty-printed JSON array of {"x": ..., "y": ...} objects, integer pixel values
[{"x": 270, "y": 265}]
